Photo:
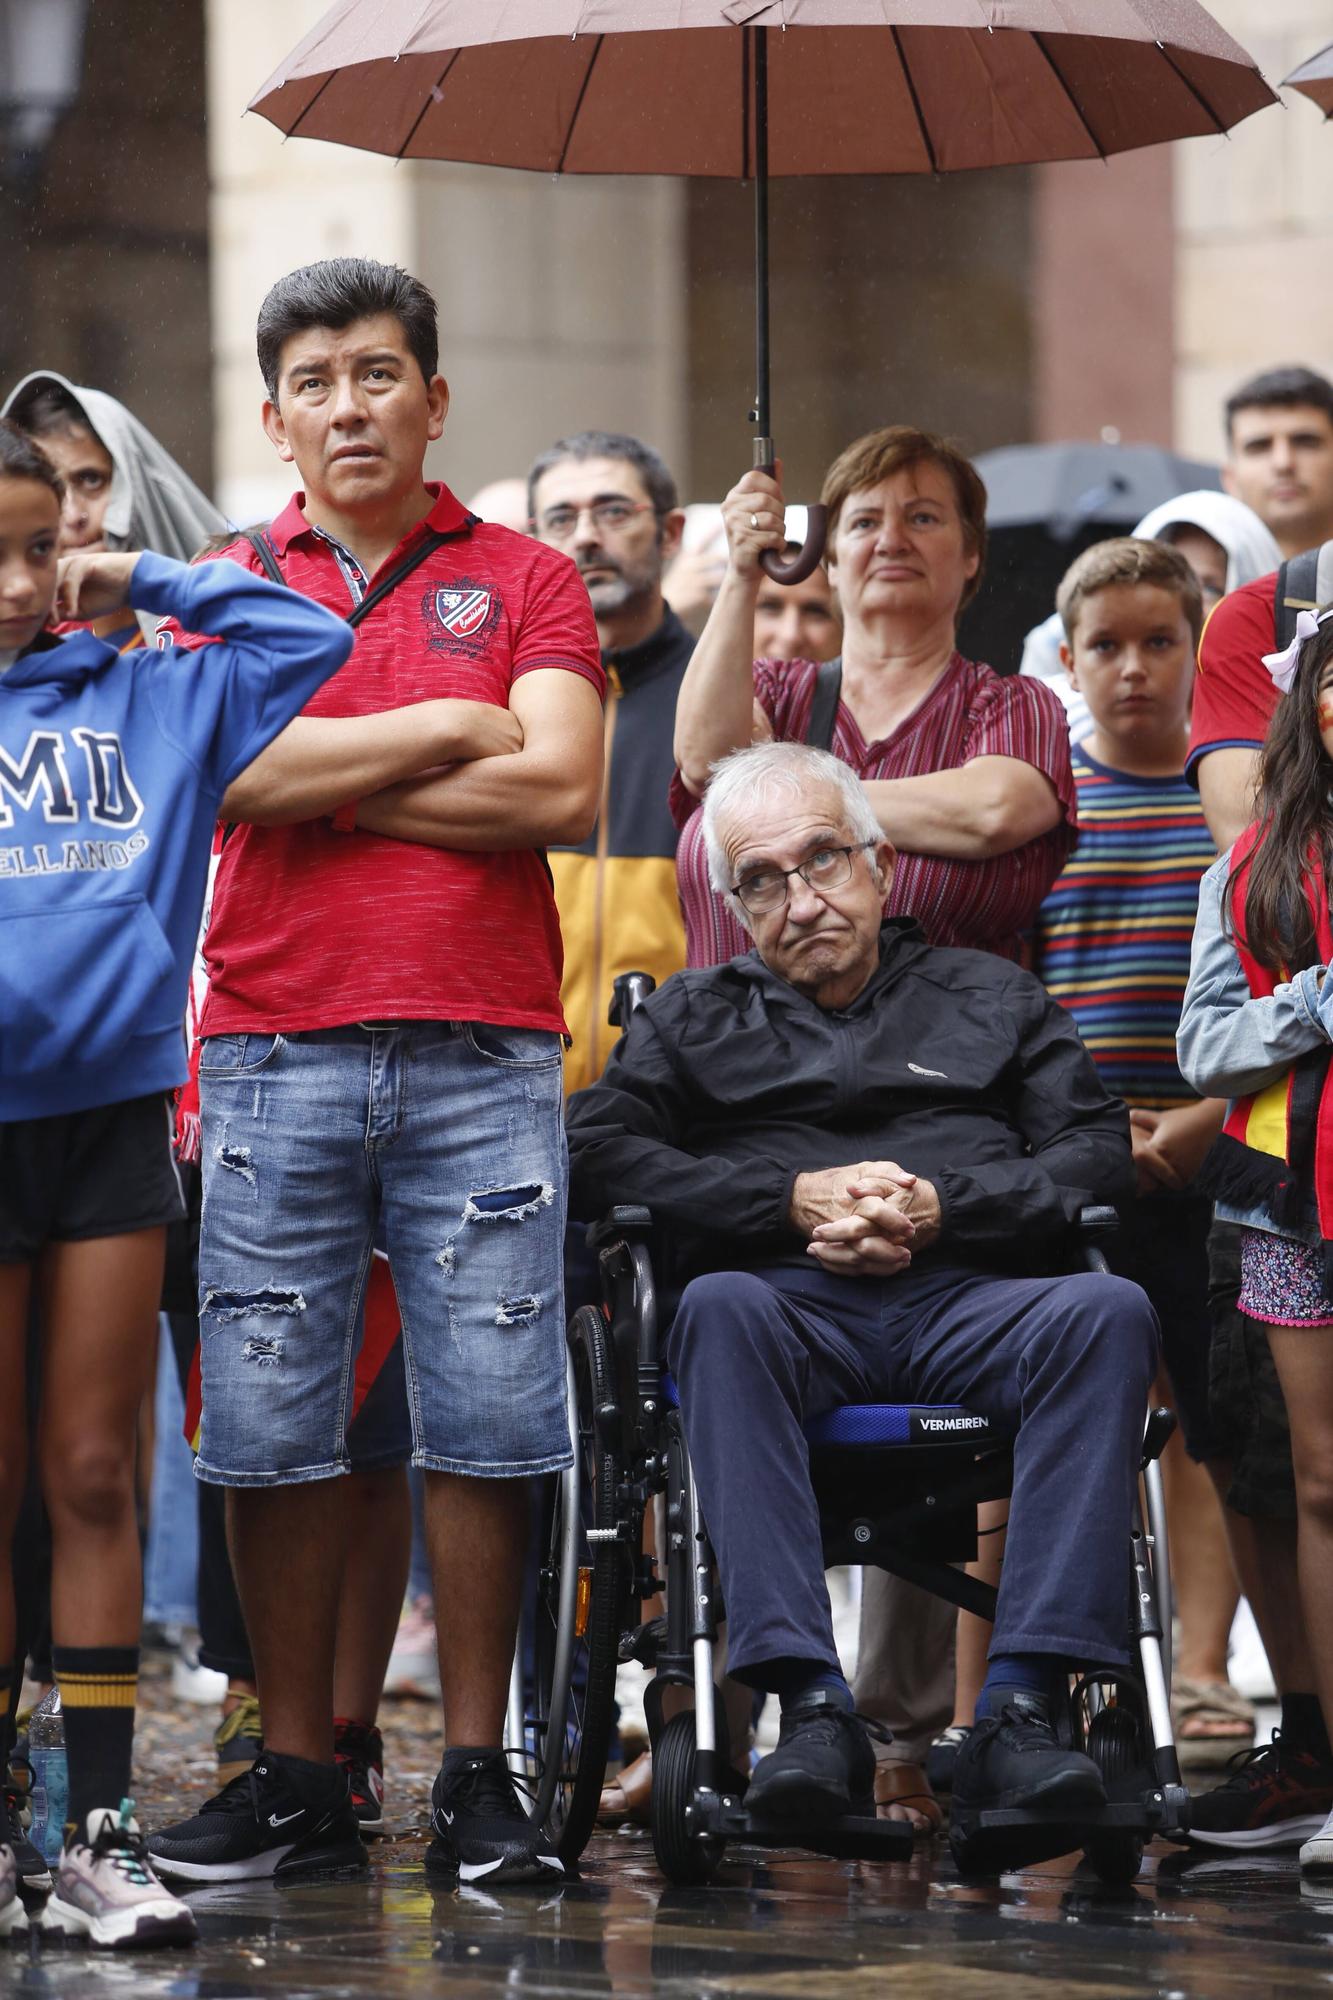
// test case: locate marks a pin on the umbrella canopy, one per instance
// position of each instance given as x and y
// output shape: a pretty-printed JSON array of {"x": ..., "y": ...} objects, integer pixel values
[
  {"x": 1315, "y": 80},
  {"x": 855, "y": 86},
  {"x": 1046, "y": 503},
  {"x": 1062, "y": 487}
]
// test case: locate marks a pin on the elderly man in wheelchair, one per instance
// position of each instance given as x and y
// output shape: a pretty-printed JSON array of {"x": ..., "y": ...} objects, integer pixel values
[{"x": 859, "y": 1149}]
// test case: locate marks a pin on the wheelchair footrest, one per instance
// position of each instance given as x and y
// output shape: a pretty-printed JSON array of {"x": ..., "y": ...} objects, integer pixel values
[
  {"x": 1000, "y": 1839},
  {"x": 1133, "y": 1816},
  {"x": 852, "y": 1838}
]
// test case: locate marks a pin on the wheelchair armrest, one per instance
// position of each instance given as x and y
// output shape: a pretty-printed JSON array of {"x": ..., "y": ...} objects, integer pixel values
[
  {"x": 1096, "y": 1222},
  {"x": 623, "y": 1220}
]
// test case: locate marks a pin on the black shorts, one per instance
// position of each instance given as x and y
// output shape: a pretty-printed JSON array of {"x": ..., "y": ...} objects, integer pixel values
[
  {"x": 85, "y": 1174},
  {"x": 1163, "y": 1246},
  {"x": 1248, "y": 1412}
]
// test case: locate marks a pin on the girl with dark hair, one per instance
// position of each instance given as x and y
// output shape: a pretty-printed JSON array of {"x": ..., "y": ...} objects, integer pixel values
[
  {"x": 1257, "y": 1028},
  {"x": 112, "y": 769}
]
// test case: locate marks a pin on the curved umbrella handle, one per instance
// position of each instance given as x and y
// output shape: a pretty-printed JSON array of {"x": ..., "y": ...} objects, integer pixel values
[{"x": 800, "y": 566}]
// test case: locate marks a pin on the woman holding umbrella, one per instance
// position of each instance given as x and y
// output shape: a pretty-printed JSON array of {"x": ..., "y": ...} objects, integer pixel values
[{"x": 967, "y": 770}]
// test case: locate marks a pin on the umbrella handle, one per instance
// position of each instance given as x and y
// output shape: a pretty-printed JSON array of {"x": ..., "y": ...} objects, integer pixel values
[{"x": 802, "y": 564}]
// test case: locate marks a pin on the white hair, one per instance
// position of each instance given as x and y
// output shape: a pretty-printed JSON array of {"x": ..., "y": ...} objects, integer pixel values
[{"x": 796, "y": 768}]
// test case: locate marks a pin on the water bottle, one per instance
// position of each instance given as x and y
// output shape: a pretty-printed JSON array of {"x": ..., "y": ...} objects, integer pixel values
[{"x": 50, "y": 1775}]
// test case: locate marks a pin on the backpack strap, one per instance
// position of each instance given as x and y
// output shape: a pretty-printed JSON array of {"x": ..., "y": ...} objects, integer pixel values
[
  {"x": 430, "y": 541},
  {"x": 268, "y": 555},
  {"x": 428, "y": 544},
  {"x": 824, "y": 706},
  {"x": 1297, "y": 590}
]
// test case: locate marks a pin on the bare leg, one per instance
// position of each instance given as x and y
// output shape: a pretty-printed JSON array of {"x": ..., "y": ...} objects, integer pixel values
[
  {"x": 100, "y": 1309},
  {"x": 974, "y": 1634},
  {"x": 478, "y": 1535},
  {"x": 379, "y": 1549},
  {"x": 289, "y": 1549},
  {"x": 1202, "y": 1574},
  {"x": 1304, "y": 1364},
  {"x": 15, "y": 1285},
  {"x": 1263, "y": 1550}
]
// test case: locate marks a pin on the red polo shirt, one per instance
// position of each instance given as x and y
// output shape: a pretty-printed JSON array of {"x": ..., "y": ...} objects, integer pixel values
[
  {"x": 1235, "y": 698},
  {"x": 311, "y": 928}
]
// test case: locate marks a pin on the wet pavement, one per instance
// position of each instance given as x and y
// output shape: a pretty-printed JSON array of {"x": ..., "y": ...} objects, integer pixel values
[{"x": 773, "y": 1925}]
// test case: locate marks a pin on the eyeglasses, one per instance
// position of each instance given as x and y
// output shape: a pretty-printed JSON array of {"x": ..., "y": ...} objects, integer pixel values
[
  {"x": 827, "y": 868},
  {"x": 608, "y": 517}
]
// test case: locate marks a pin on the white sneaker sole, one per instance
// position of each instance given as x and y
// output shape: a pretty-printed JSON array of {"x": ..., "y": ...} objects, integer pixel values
[
  {"x": 253, "y": 1868},
  {"x": 160, "y": 1922},
  {"x": 1260, "y": 1839}
]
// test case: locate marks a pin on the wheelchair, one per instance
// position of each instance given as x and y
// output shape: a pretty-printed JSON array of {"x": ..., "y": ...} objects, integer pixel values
[{"x": 898, "y": 1487}]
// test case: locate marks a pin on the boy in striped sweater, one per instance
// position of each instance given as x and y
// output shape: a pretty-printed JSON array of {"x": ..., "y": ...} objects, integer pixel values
[{"x": 1113, "y": 946}]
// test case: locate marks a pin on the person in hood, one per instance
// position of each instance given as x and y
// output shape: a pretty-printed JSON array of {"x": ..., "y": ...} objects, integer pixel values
[
  {"x": 113, "y": 767},
  {"x": 848, "y": 1134},
  {"x": 123, "y": 490}
]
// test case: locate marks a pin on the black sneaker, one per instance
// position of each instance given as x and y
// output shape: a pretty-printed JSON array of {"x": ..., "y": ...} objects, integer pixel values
[
  {"x": 1278, "y": 1795},
  {"x": 1014, "y": 1760},
  {"x": 822, "y": 1769},
  {"x": 34, "y": 1870},
  {"x": 481, "y": 1831},
  {"x": 358, "y": 1749},
  {"x": 256, "y": 1827}
]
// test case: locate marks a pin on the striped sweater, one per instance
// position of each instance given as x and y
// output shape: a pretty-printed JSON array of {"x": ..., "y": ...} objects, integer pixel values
[{"x": 1113, "y": 936}]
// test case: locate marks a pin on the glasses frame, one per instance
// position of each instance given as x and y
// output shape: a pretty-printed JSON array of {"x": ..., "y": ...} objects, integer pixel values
[
  {"x": 856, "y": 847},
  {"x": 594, "y": 508}
]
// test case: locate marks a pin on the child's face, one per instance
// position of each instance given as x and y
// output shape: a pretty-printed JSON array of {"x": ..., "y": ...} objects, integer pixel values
[
  {"x": 29, "y": 534},
  {"x": 1131, "y": 657}
]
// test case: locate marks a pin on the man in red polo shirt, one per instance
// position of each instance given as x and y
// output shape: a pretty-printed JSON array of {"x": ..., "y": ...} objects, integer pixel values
[{"x": 382, "y": 1048}]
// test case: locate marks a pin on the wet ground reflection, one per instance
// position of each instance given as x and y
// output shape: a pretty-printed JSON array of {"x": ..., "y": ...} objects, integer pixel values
[{"x": 773, "y": 1927}]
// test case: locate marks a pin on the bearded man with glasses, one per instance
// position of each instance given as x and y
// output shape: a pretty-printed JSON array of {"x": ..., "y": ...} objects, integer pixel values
[
  {"x": 610, "y": 503},
  {"x": 859, "y": 1146}
]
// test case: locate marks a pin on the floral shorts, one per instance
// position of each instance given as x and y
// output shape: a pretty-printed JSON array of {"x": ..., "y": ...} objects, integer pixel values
[{"x": 1282, "y": 1282}]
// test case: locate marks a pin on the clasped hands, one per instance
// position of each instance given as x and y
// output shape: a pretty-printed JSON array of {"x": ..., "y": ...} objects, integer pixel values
[{"x": 865, "y": 1220}]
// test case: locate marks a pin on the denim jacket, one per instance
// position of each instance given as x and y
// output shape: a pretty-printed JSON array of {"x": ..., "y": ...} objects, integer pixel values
[{"x": 1230, "y": 1044}]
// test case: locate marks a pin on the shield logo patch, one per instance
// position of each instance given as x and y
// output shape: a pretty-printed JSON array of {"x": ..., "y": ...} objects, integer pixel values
[{"x": 462, "y": 610}]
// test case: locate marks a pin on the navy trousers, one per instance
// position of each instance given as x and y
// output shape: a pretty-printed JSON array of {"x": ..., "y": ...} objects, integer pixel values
[{"x": 1064, "y": 1364}]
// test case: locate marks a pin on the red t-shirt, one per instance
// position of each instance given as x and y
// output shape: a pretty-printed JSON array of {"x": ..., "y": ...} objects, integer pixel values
[
  {"x": 1234, "y": 694},
  {"x": 970, "y": 712},
  {"x": 311, "y": 928}
]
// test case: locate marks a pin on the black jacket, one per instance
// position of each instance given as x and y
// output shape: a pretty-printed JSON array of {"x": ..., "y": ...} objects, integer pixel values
[{"x": 955, "y": 1064}]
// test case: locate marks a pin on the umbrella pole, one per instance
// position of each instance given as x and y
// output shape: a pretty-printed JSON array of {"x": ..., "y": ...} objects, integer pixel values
[
  {"x": 759, "y": 416},
  {"x": 765, "y": 452}
]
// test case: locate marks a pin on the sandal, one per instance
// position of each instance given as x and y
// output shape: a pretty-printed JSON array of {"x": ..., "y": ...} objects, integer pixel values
[
  {"x": 630, "y": 1796},
  {"x": 1197, "y": 1710},
  {"x": 906, "y": 1785}
]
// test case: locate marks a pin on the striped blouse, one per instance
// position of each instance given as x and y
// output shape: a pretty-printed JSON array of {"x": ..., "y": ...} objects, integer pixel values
[
  {"x": 971, "y": 711},
  {"x": 1113, "y": 938}
]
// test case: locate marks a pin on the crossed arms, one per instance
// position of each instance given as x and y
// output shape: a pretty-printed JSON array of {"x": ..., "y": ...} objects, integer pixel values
[{"x": 443, "y": 773}]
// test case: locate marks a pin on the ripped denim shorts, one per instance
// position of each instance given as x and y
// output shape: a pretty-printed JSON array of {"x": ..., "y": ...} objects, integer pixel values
[{"x": 447, "y": 1137}]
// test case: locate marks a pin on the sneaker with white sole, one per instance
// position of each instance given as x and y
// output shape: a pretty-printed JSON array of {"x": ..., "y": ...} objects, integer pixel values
[
  {"x": 13, "y": 1916},
  {"x": 105, "y": 1889},
  {"x": 481, "y": 1831},
  {"x": 1317, "y": 1852},
  {"x": 258, "y": 1827}
]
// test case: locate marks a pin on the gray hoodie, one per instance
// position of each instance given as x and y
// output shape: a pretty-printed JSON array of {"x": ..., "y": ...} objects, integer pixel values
[{"x": 153, "y": 504}]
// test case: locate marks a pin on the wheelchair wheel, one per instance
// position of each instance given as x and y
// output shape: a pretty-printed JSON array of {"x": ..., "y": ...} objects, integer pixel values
[
  {"x": 682, "y": 1857},
  {"x": 580, "y": 1605},
  {"x": 1115, "y": 1744}
]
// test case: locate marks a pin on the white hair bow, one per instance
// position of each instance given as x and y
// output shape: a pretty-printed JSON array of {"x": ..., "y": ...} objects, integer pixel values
[{"x": 1282, "y": 666}]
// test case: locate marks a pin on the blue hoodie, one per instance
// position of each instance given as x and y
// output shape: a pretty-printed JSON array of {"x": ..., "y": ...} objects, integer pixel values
[{"x": 112, "y": 767}]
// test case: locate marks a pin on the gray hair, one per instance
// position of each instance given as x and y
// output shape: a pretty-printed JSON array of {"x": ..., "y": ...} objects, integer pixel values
[
  {"x": 649, "y": 464},
  {"x": 746, "y": 775}
]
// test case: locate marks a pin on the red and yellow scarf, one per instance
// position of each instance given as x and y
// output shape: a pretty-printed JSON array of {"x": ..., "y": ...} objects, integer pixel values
[{"x": 1286, "y": 1128}]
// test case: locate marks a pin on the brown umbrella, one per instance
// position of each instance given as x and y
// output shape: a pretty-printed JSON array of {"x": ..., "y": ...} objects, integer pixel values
[
  {"x": 1315, "y": 80},
  {"x": 755, "y": 87}
]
